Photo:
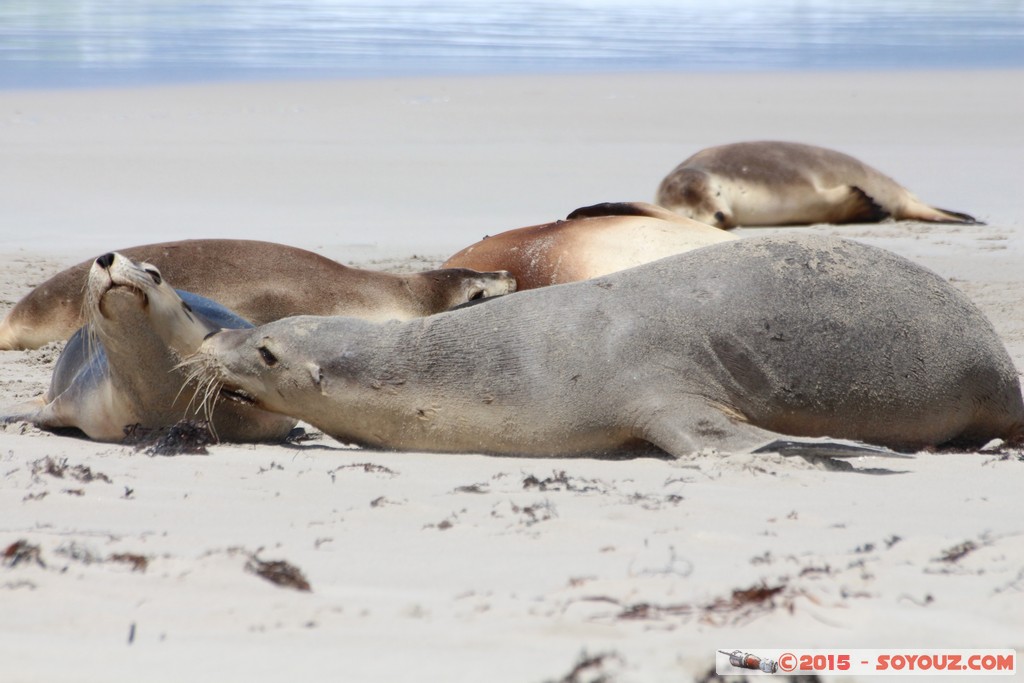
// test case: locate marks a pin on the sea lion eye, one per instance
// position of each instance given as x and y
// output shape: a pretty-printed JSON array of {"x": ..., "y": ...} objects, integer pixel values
[
  {"x": 479, "y": 294},
  {"x": 719, "y": 216},
  {"x": 155, "y": 275},
  {"x": 269, "y": 358}
]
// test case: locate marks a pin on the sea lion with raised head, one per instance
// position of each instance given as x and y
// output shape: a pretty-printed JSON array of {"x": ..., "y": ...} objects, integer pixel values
[
  {"x": 120, "y": 371},
  {"x": 787, "y": 183},
  {"x": 261, "y": 281},
  {"x": 729, "y": 347},
  {"x": 592, "y": 241}
]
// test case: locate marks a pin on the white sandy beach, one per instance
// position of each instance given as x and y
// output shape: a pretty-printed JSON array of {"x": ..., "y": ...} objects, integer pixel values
[{"x": 465, "y": 567}]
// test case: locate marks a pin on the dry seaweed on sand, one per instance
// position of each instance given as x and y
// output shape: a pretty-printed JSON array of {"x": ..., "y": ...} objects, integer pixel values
[
  {"x": 59, "y": 468},
  {"x": 188, "y": 437},
  {"x": 279, "y": 573},
  {"x": 598, "y": 668},
  {"x": 21, "y": 551}
]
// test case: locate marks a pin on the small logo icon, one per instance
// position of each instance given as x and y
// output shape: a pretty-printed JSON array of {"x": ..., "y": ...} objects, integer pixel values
[{"x": 745, "y": 660}]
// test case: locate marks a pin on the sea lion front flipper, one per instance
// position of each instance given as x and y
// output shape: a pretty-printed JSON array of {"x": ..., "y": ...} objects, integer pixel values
[
  {"x": 851, "y": 204},
  {"x": 623, "y": 209},
  {"x": 212, "y": 312},
  {"x": 56, "y": 414},
  {"x": 77, "y": 409},
  {"x": 692, "y": 423},
  {"x": 25, "y": 411}
]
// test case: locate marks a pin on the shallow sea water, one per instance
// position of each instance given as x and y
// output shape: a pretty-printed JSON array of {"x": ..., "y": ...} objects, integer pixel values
[{"x": 82, "y": 43}]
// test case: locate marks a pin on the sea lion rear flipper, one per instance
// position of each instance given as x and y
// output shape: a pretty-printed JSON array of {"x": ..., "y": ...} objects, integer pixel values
[
  {"x": 622, "y": 209},
  {"x": 931, "y": 214},
  {"x": 826, "y": 448}
]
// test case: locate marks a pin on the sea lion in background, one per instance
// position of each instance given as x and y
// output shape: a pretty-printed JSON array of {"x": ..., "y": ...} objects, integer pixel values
[
  {"x": 592, "y": 241},
  {"x": 120, "y": 370},
  {"x": 787, "y": 183},
  {"x": 262, "y": 281},
  {"x": 728, "y": 347}
]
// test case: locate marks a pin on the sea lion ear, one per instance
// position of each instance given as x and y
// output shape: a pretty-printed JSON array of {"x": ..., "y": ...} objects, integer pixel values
[{"x": 316, "y": 373}]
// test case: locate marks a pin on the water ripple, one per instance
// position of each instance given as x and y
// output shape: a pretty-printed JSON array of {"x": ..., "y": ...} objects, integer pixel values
[{"x": 88, "y": 42}]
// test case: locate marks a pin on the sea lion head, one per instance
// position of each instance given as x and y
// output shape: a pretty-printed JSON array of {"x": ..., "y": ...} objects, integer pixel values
[
  {"x": 694, "y": 194},
  {"x": 268, "y": 367},
  {"x": 124, "y": 297},
  {"x": 452, "y": 287}
]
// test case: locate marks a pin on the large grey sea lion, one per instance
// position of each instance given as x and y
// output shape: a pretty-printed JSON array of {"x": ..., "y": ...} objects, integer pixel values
[
  {"x": 730, "y": 346},
  {"x": 261, "y": 281},
  {"x": 787, "y": 183},
  {"x": 121, "y": 370},
  {"x": 592, "y": 241}
]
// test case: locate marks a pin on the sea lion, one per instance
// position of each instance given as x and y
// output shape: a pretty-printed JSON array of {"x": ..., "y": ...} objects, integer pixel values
[
  {"x": 261, "y": 281},
  {"x": 121, "y": 369},
  {"x": 592, "y": 241},
  {"x": 729, "y": 347},
  {"x": 787, "y": 183}
]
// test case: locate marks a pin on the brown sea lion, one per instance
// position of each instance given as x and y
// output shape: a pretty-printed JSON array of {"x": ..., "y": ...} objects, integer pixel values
[
  {"x": 261, "y": 281},
  {"x": 592, "y": 241}
]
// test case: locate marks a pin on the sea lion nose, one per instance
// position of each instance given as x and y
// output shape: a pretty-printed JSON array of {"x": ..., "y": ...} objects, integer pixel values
[{"x": 105, "y": 261}]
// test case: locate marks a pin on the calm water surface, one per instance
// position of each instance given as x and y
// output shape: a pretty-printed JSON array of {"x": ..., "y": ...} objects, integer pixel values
[{"x": 46, "y": 43}]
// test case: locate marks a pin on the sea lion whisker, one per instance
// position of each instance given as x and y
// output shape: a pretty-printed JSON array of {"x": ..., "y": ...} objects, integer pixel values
[
  {"x": 208, "y": 384},
  {"x": 195, "y": 378},
  {"x": 210, "y": 399},
  {"x": 206, "y": 391},
  {"x": 181, "y": 390},
  {"x": 210, "y": 403},
  {"x": 200, "y": 404}
]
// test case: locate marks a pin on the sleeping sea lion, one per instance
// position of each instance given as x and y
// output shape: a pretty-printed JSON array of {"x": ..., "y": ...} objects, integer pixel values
[
  {"x": 261, "y": 281},
  {"x": 787, "y": 183},
  {"x": 592, "y": 241}
]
